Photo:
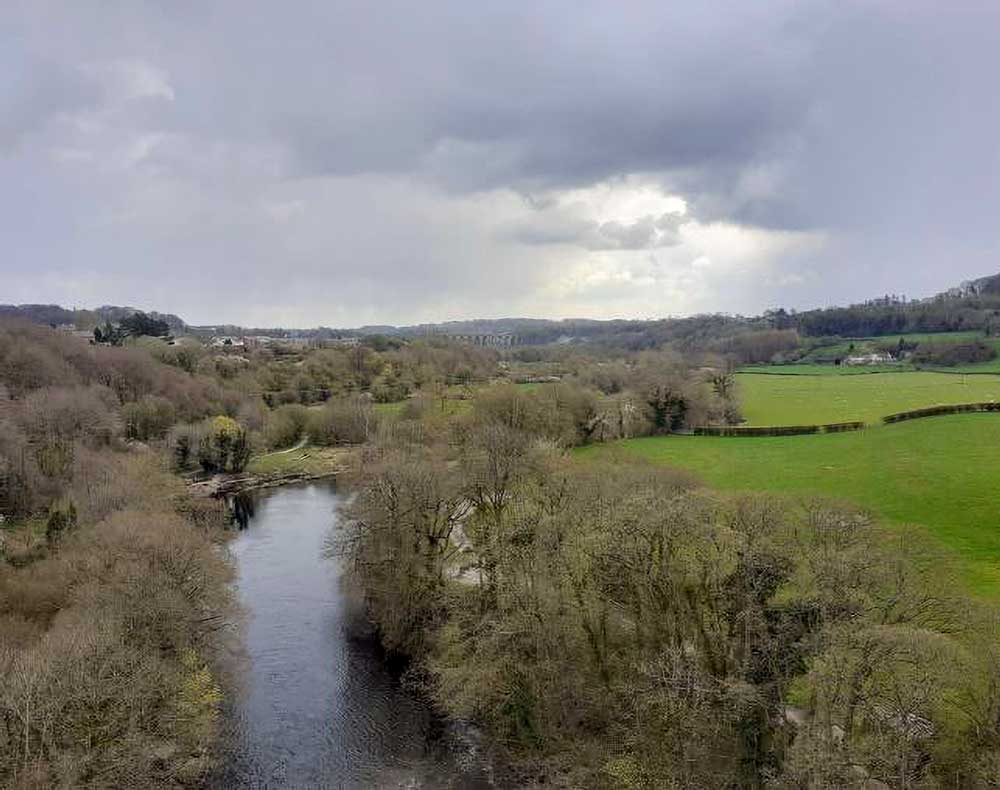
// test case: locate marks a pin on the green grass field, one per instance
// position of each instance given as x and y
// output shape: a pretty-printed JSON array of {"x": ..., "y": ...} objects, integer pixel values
[
  {"x": 807, "y": 399},
  {"x": 941, "y": 474},
  {"x": 389, "y": 409},
  {"x": 307, "y": 459}
]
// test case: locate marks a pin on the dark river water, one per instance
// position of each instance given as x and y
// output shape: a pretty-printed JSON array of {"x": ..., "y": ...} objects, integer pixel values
[{"x": 320, "y": 707}]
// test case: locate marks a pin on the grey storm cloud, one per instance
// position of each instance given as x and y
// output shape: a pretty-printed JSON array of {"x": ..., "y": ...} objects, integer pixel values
[
  {"x": 643, "y": 233},
  {"x": 350, "y": 162}
]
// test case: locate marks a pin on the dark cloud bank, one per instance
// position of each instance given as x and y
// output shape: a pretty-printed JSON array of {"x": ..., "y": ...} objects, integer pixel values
[{"x": 344, "y": 163}]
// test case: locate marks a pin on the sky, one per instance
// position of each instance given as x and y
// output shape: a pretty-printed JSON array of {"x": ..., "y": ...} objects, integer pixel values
[{"x": 315, "y": 162}]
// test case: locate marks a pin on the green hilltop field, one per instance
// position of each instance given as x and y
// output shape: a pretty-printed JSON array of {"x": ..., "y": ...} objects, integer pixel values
[{"x": 802, "y": 399}]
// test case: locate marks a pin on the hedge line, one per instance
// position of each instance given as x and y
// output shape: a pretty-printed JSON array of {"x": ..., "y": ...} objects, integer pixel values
[
  {"x": 777, "y": 430},
  {"x": 935, "y": 411}
]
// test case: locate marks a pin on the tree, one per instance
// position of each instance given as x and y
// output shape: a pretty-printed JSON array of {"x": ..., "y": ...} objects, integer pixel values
[
  {"x": 223, "y": 446},
  {"x": 669, "y": 408},
  {"x": 399, "y": 541},
  {"x": 136, "y": 325}
]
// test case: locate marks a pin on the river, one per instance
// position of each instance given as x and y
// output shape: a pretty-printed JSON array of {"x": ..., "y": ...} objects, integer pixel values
[{"x": 319, "y": 706}]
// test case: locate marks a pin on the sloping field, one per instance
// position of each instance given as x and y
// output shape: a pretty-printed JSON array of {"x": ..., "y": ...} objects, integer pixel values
[
  {"x": 942, "y": 474},
  {"x": 804, "y": 399}
]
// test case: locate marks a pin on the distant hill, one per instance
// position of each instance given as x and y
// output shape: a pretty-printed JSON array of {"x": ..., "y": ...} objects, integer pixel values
[
  {"x": 54, "y": 315},
  {"x": 51, "y": 314},
  {"x": 973, "y": 305},
  {"x": 984, "y": 286}
]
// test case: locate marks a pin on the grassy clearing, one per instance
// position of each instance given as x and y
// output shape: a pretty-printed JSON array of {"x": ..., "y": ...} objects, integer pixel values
[
  {"x": 389, "y": 409},
  {"x": 309, "y": 460},
  {"x": 940, "y": 473},
  {"x": 796, "y": 400},
  {"x": 448, "y": 406}
]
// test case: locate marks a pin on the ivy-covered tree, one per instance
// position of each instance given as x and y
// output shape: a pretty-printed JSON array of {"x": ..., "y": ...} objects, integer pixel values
[{"x": 137, "y": 325}]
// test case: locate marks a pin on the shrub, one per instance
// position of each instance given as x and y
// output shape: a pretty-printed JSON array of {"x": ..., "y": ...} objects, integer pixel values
[
  {"x": 185, "y": 356},
  {"x": 61, "y": 521},
  {"x": 342, "y": 422},
  {"x": 223, "y": 446},
  {"x": 285, "y": 425},
  {"x": 217, "y": 445},
  {"x": 149, "y": 418},
  {"x": 183, "y": 443},
  {"x": 70, "y": 414}
]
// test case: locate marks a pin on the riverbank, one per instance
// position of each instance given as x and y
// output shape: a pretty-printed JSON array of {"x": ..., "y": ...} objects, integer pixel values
[{"x": 299, "y": 465}]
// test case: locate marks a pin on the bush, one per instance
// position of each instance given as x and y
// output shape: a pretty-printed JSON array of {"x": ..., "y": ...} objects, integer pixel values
[
  {"x": 60, "y": 522},
  {"x": 186, "y": 356},
  {"x": 342, "y": 422},
  {"x": 285, "y": 425},
  {"x": 217, "y": 445},
  {"x": 183, "y": 443},
  {"x": 223, "y": 446},
  {"x": 149, "y": 418},
  {"x": 70, "y": 414},
  {"x": 562, "y": 413}
]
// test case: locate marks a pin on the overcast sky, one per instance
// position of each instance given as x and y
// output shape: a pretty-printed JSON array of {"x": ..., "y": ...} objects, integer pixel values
[{"x": 304, "y": 163}]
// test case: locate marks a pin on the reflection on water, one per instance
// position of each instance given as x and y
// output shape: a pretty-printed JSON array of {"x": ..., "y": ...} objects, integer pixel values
[
  {"x": 241, "y": 508},
  {"x": 320, "y": 707}
]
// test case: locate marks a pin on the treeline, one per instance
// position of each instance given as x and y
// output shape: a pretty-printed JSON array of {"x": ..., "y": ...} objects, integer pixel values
[
  {"x": 388, "y": 369},
  {"x": 54, "y": 315},
  {"x": 613, "y": 625},
  {"x": 111, "y": 582},
  {"x": 946, "y": 313},
  {"x": 953, "y": 354}
]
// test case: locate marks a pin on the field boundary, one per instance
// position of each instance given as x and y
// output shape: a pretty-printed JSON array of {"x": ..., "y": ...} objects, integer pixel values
[
  {"x": 748, "y": 372},
  {"x": 842, "y": 427},
  {"x": 779, "y": 430},
  {"x": 957, "y": 372},
  {"x": 937, "y": 411}
]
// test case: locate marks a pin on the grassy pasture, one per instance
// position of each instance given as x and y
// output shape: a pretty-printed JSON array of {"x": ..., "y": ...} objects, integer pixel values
[
  {"x": 807, "y": 399},
  {"x": 940, "y": 474}
]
